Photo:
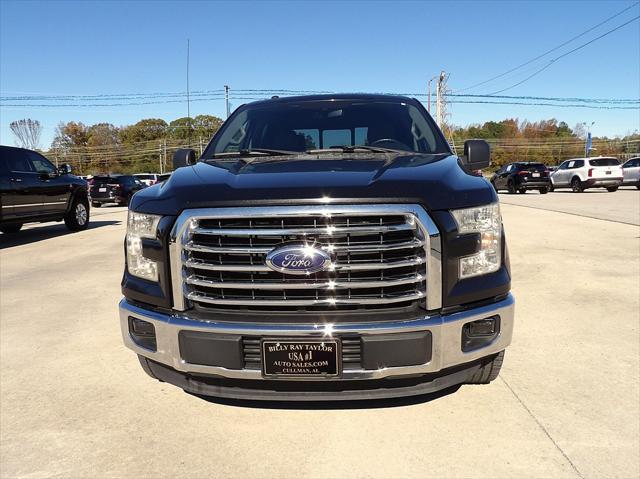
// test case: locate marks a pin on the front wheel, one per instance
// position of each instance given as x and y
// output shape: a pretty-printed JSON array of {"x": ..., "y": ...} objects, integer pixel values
[
  {"x": 488, "y": 371},
  {"x": 8, "y": 229},
  {"x": 611, "y": 189},
  {"x": 544, "y": 191},
  {"x": 550, "y": 188},
  {"x": 95, "y": 204},
  {"x": 511, "y": 187},
  {"x": 77, "y": 219},
  {"x": 522, "y": 191},
  {"x": 576, "y": 185}
]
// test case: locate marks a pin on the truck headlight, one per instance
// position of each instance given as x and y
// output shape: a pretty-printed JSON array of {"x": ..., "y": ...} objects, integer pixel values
[
  {"x": 485, "y": 220},
  {"x": 141, "y": 225}
]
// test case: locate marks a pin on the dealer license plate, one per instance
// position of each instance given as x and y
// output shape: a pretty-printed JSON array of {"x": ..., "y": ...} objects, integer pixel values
[
  {"x": 300, "y": 358},
  {"x": 536, "y": 175},
  {"x": 102, "y": 190}
]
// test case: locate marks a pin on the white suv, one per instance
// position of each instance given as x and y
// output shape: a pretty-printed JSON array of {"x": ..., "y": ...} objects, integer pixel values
[
  {"x": 631, "y": 170},
  {"x": 582, "y": 173},
  {"x": 148, "y": 179}
]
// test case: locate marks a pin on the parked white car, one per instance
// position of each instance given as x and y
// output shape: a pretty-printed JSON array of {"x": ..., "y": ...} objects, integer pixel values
[
  {"x": 148, "y": 179},
  {"x": 582, "y": 173},
  {"x": 631, "y": 171}
]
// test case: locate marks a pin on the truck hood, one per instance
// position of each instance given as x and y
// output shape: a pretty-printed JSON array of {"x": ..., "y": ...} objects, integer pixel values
[{"x": 435, "y": 181}]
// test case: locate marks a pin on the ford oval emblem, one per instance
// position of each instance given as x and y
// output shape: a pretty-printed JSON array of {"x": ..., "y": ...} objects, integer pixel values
[{"x": 298, "y": 259}]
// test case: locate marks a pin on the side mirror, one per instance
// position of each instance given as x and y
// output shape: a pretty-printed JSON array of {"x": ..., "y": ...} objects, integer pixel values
[
  {"x": 183, "y": 157},
  {"x": 477, "y": 155},
  {"x": 64, "y": 169}
]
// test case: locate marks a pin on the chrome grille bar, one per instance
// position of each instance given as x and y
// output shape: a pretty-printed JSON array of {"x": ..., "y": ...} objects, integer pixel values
[
  {"x": 345, "y": 267},
  {"x": 324, "y": 285},
  {"x": 325, "y": 230},
  {"x": 304, "y": 302},
  {"x": 363, "y": 248}
]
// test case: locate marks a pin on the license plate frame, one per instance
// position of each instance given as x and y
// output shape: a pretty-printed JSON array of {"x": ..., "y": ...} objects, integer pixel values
[
  {"x": 535, "y": 175},
  {"x": 102, "y": 190},
  {"x": 297, "y": 368}
]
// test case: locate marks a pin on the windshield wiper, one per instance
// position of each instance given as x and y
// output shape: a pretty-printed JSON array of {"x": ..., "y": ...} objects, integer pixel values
[
  {"x": 253, "y": 152},
  {"x": 354, "y": 149}
]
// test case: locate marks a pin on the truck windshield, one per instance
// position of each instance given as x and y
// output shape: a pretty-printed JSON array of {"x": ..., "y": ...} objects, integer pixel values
[{"x": 325, "y": 124}]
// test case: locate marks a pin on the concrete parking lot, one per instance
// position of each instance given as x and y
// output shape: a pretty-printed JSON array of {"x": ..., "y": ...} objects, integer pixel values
[{"x": 75, "y": 403}]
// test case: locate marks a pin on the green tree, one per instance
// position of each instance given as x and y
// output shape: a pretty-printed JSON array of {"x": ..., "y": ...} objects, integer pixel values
[
  {"x": 202, "y": 127},
  {"x": 145, "y": 130}
]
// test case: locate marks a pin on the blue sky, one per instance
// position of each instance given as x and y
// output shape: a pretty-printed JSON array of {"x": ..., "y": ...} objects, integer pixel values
[{"x": 87, "y": 48}]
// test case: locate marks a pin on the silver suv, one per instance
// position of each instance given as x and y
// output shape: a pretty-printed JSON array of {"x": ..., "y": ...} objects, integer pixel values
[
  {"x": 582, "y": 173},
  {"x": 631, "y": 169}
]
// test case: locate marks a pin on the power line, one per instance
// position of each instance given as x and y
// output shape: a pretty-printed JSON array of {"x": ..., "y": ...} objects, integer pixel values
[
  {"x": 255, "y": 97},
  {"x": 556, "y": 105},
  {"x": 552, "y": 61},
  {"x": 548, "y": 98},
  {"x": 208, "y": 95},
  {"x": 549, "y": 51}
]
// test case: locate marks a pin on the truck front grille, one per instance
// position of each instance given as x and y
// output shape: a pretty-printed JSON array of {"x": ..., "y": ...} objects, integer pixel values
[{"x": 379, "y": 259}]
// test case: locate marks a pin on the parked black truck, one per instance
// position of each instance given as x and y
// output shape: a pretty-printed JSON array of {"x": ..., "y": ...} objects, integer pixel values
[
  {"x": 32, "y": 189},
  {"x": 324, "y": 247}
]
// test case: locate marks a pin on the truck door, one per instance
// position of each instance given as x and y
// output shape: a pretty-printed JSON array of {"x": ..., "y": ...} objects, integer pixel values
[
  {"x": 23, "y": 193},
  {"x": 54, "y": 188},
  {"x": 6, "y": 198}
]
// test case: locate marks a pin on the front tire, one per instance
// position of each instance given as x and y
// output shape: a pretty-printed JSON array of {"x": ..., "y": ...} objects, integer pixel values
[
  {"x": 10, "y": 229},
  {"x": 511, "y": 187},
  {"x": 576, "y": 185},
  {"x": 544, "y": 191},
  {"x": 488, "y": 371},
  {"x": 95, "y": 204},
  {"x": 611, "y": 189},
  {"x": 77, "y": 219}
]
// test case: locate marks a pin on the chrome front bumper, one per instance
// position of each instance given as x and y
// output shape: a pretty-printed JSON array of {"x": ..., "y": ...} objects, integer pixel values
[{"x": 446, "y": 331}]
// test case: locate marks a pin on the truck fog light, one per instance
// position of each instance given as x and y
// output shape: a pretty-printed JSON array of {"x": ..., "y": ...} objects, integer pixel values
[
  {"x": 482, "y": 327},
  {"x": 143, "y": 333},
  {"x": 485, "y": 220},
  {"x": 480, "y": 333},
  {"x": 140, "y": 225}
]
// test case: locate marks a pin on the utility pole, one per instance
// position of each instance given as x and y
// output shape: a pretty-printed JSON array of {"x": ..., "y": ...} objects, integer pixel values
[
  {"x": 160, "y": 156},
  {"x": 200, "y": 143},
  {"x": 226, "y": 98},
  {"x": 441, "y": 91},
  {"x": 164, "y": 155},
  {"x": 429, "y": 93},
  {"x": 188, "y": 99}
]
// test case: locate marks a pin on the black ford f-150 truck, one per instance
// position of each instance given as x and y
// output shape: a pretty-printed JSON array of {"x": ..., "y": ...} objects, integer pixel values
[{"x": 322, "y": 248}]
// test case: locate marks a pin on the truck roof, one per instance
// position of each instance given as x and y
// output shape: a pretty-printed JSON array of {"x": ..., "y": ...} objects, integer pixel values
[{"x": 336, "y": 96}]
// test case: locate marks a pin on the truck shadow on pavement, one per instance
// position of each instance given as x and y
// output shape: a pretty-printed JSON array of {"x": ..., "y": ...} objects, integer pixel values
[
  {"x": 31, "y": 235},
  {"x": 331, "y": 405}
]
